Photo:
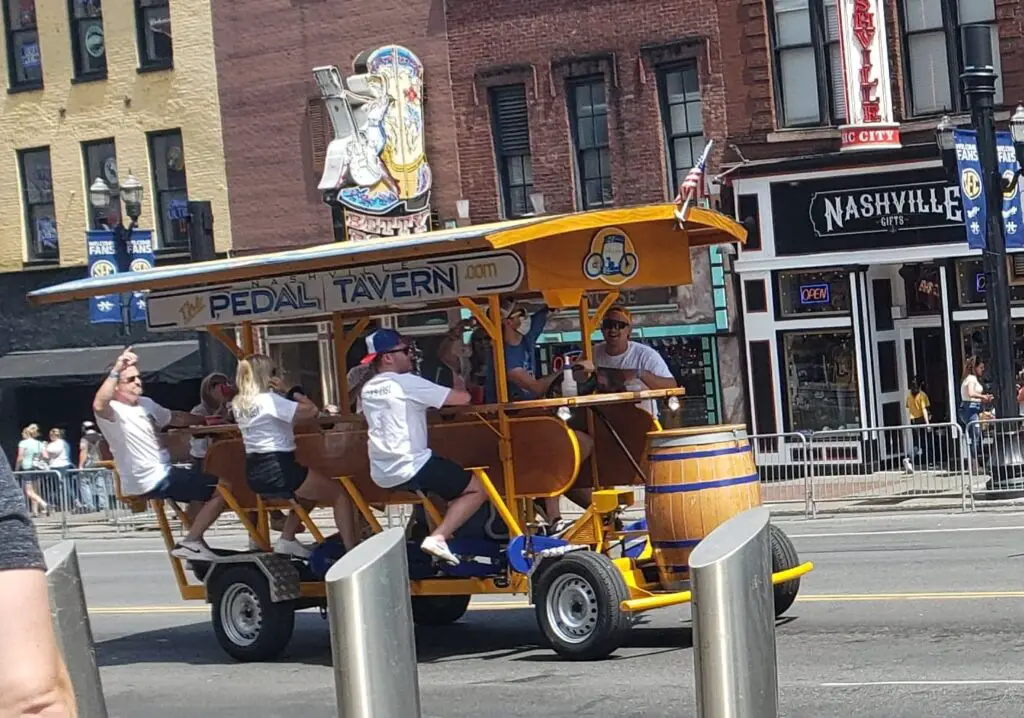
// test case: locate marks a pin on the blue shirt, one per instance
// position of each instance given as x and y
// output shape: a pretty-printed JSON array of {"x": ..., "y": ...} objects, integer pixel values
[{"x": 518, "y": 356}]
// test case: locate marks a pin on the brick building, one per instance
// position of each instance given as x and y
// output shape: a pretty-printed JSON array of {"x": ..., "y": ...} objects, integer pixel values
[
  {"x": 95, "y": 90},
  {"x": 275, "y": 128},
  {"x": 858, "y": 276},
  {"x": 598, "y": 104},
  {"x": 498, "y": 78}
]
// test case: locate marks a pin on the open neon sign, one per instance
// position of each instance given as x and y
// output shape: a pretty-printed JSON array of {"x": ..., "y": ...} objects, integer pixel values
[{"x": 815, "y": 294}]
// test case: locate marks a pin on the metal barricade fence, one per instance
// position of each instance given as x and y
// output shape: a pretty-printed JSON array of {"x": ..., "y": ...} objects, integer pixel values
[
  {"x": 993, "y": 454},
  {"x": 888, "y": 464},
  {"x": 783, "y": 463}
]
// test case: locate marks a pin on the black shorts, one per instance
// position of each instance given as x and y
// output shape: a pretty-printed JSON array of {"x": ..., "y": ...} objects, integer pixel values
[
  {"x": 274, "y": 475},
  {"x": 439, "y": 476},
  {"x": 185, "y": 485}
]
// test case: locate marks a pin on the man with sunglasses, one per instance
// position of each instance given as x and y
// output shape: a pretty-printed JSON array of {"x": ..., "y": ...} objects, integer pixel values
[
  {"x": 395, "y": 403},
  {"x": 624, "y": 365},
  {"x": 126, "y": 419}
]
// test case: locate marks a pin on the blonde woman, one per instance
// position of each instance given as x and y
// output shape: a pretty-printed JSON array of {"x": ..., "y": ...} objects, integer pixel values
[
  {"x": 266, "y": 420},
  {"x": 31, "y": 458}
]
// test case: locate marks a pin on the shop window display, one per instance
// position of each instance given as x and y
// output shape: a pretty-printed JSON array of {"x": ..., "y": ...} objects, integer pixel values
[
  {"x": 970, "y": 281},
  {"x": 815, "y": 293},
  {"x": 923, "y": 288},
  {"x": 821, "y": 381},
  {"x": 691, "y": 361},
  {"x": 974, "y": 342}
]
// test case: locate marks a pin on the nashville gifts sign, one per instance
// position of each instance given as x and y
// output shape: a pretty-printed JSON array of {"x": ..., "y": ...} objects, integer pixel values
[{"x": 869, "y": 116}]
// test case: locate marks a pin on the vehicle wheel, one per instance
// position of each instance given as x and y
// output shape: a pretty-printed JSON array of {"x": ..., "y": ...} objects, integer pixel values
[
  {"x": 577, "y": 601},
  {"x": 248, "y": 625},
  {"x": 783, "y": 557},
  {"x": 438, "y": 610}
]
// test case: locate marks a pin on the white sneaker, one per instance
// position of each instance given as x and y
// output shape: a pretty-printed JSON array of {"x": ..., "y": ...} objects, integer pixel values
[
  {"x": 193, "y": 550},
  {"x": 438, "y": 548},
  {"x": 291, "y": 548}
]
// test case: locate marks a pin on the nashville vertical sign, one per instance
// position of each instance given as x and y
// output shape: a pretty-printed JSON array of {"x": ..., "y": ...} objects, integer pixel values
[{"x": 865, "y": 52}]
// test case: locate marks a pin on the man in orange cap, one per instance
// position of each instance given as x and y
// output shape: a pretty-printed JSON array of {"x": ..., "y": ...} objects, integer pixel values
[{"x": 625, "y": 365}]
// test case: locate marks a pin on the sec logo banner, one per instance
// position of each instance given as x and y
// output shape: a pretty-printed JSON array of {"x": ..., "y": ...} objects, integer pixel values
[
  {"x": 102, "y": 268},
  {"x": 970, "y": 182}
]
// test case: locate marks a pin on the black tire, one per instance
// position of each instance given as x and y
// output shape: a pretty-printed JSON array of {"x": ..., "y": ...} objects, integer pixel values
[
  {"x": 783, "y": 557},
  {"x": 438, "y": 610},
  {"x": 589, "y": 588},
  {"x": 248, "y": 625}
]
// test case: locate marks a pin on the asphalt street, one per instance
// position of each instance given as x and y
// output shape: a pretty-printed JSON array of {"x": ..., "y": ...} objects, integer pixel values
[{"x": 905, "y": 616}]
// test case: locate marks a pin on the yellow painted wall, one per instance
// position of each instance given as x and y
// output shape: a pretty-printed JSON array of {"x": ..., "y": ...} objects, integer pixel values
[{"x": 124, "y": 106}]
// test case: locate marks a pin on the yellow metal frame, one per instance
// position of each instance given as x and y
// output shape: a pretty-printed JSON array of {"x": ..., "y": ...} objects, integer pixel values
[{"x": 593, "y": 528}]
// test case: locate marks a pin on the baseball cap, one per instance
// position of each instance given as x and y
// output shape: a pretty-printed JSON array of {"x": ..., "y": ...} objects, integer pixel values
[
  {"x": 382, "y": 340},
  {"x": 621, "y": 311}
]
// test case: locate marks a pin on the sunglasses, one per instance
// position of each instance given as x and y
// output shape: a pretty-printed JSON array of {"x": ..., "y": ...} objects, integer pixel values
[
  {"x": 613, "y": 324},
  {"x": 402, "y": 350},
  {"x": 137, "y": 379}
]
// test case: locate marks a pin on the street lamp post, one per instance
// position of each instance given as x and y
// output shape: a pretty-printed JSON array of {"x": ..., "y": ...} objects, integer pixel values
[
  {"x": 979, "y": 80},
  {"x": 100, "y": 197}
]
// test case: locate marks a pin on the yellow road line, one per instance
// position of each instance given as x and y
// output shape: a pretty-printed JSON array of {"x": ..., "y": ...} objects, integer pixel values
[
  {"x": 943, "y": 596},
  {"x": 514, "y": 605}
]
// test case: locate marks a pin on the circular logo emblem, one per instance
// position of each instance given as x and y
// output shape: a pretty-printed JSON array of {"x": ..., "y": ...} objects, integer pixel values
[
  {"x": 93, "y": 41},
  {"x": 970, "y": 182},
  {"x": 103, "y": 268},
  {"x": 140, "y": 265},
  {"x": 611, "y": 257}
]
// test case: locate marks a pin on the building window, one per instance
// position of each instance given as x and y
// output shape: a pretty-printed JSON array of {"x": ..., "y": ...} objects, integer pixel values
[
  {"x": 932, "y": 44},
  {"x": 87, "y": 46},
  {"x": 511, "y": 128},
  {"x": 588, "y": 114},
  {"x": 24, "y": 60},
  {"x": 100, "y": 159},
  {"x": 821, "y": 381},
  {"x": 808, "y": 62},
  {"x": 37, "y": 192},
  {"x": 817, "y": 293},
  {"x": 170, "y": 188},
  {"x": 153, "y": 27},
  {"x": 679, "y": 93}
]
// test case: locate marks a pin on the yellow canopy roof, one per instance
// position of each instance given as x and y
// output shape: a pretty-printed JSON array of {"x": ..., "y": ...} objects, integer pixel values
[{"x": 703, "y": 227}]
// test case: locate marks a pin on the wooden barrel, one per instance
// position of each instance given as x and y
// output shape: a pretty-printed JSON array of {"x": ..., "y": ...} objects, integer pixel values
[{"x": 698, "y": 478}]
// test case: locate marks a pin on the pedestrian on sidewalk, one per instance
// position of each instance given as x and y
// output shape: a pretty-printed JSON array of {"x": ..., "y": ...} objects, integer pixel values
[{"x": 919, "y": 411}]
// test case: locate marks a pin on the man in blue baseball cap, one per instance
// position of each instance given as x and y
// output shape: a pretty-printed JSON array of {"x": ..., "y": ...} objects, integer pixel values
[{"x": 395, "y": 403}]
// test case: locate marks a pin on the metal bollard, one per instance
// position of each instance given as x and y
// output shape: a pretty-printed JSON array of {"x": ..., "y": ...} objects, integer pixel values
[
  {"x": 734, "y": 620},
  {"x": 372, "y": 639},
  {"x": 73, "y": 630}
]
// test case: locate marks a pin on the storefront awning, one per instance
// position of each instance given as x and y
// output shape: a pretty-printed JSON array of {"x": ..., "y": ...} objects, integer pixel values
[{"x": 160, "y": 362}]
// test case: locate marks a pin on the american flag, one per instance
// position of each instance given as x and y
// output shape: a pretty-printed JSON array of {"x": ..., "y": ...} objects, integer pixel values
[{"x": 692, "y": 184}]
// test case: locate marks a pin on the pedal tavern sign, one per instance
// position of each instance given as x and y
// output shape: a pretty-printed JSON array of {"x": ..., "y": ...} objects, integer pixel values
[{"x": 396, "y": 284}]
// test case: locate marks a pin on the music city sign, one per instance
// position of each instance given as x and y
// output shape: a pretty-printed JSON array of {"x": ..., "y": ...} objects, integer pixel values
[
  {"x": 396, "y": 284},
  {"x": 864, "y": 46}
]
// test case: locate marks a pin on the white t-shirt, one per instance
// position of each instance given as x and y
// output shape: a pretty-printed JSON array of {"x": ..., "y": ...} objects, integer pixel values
[
  {"x": 395, "y": 407},
  {"x": 57, "y": 454},
  {"x": 970, "y": 381},
  {"x": 140, "y": 460},
  {"x": 637, "y": 358},
  {"x": 267, "y": 425}
]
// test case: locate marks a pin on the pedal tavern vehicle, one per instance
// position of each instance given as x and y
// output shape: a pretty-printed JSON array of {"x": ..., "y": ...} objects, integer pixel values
[{"x": 587, "y": 583}]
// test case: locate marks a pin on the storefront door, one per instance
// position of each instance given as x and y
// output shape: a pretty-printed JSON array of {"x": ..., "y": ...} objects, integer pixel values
[{"x": 930, "y": 365}]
